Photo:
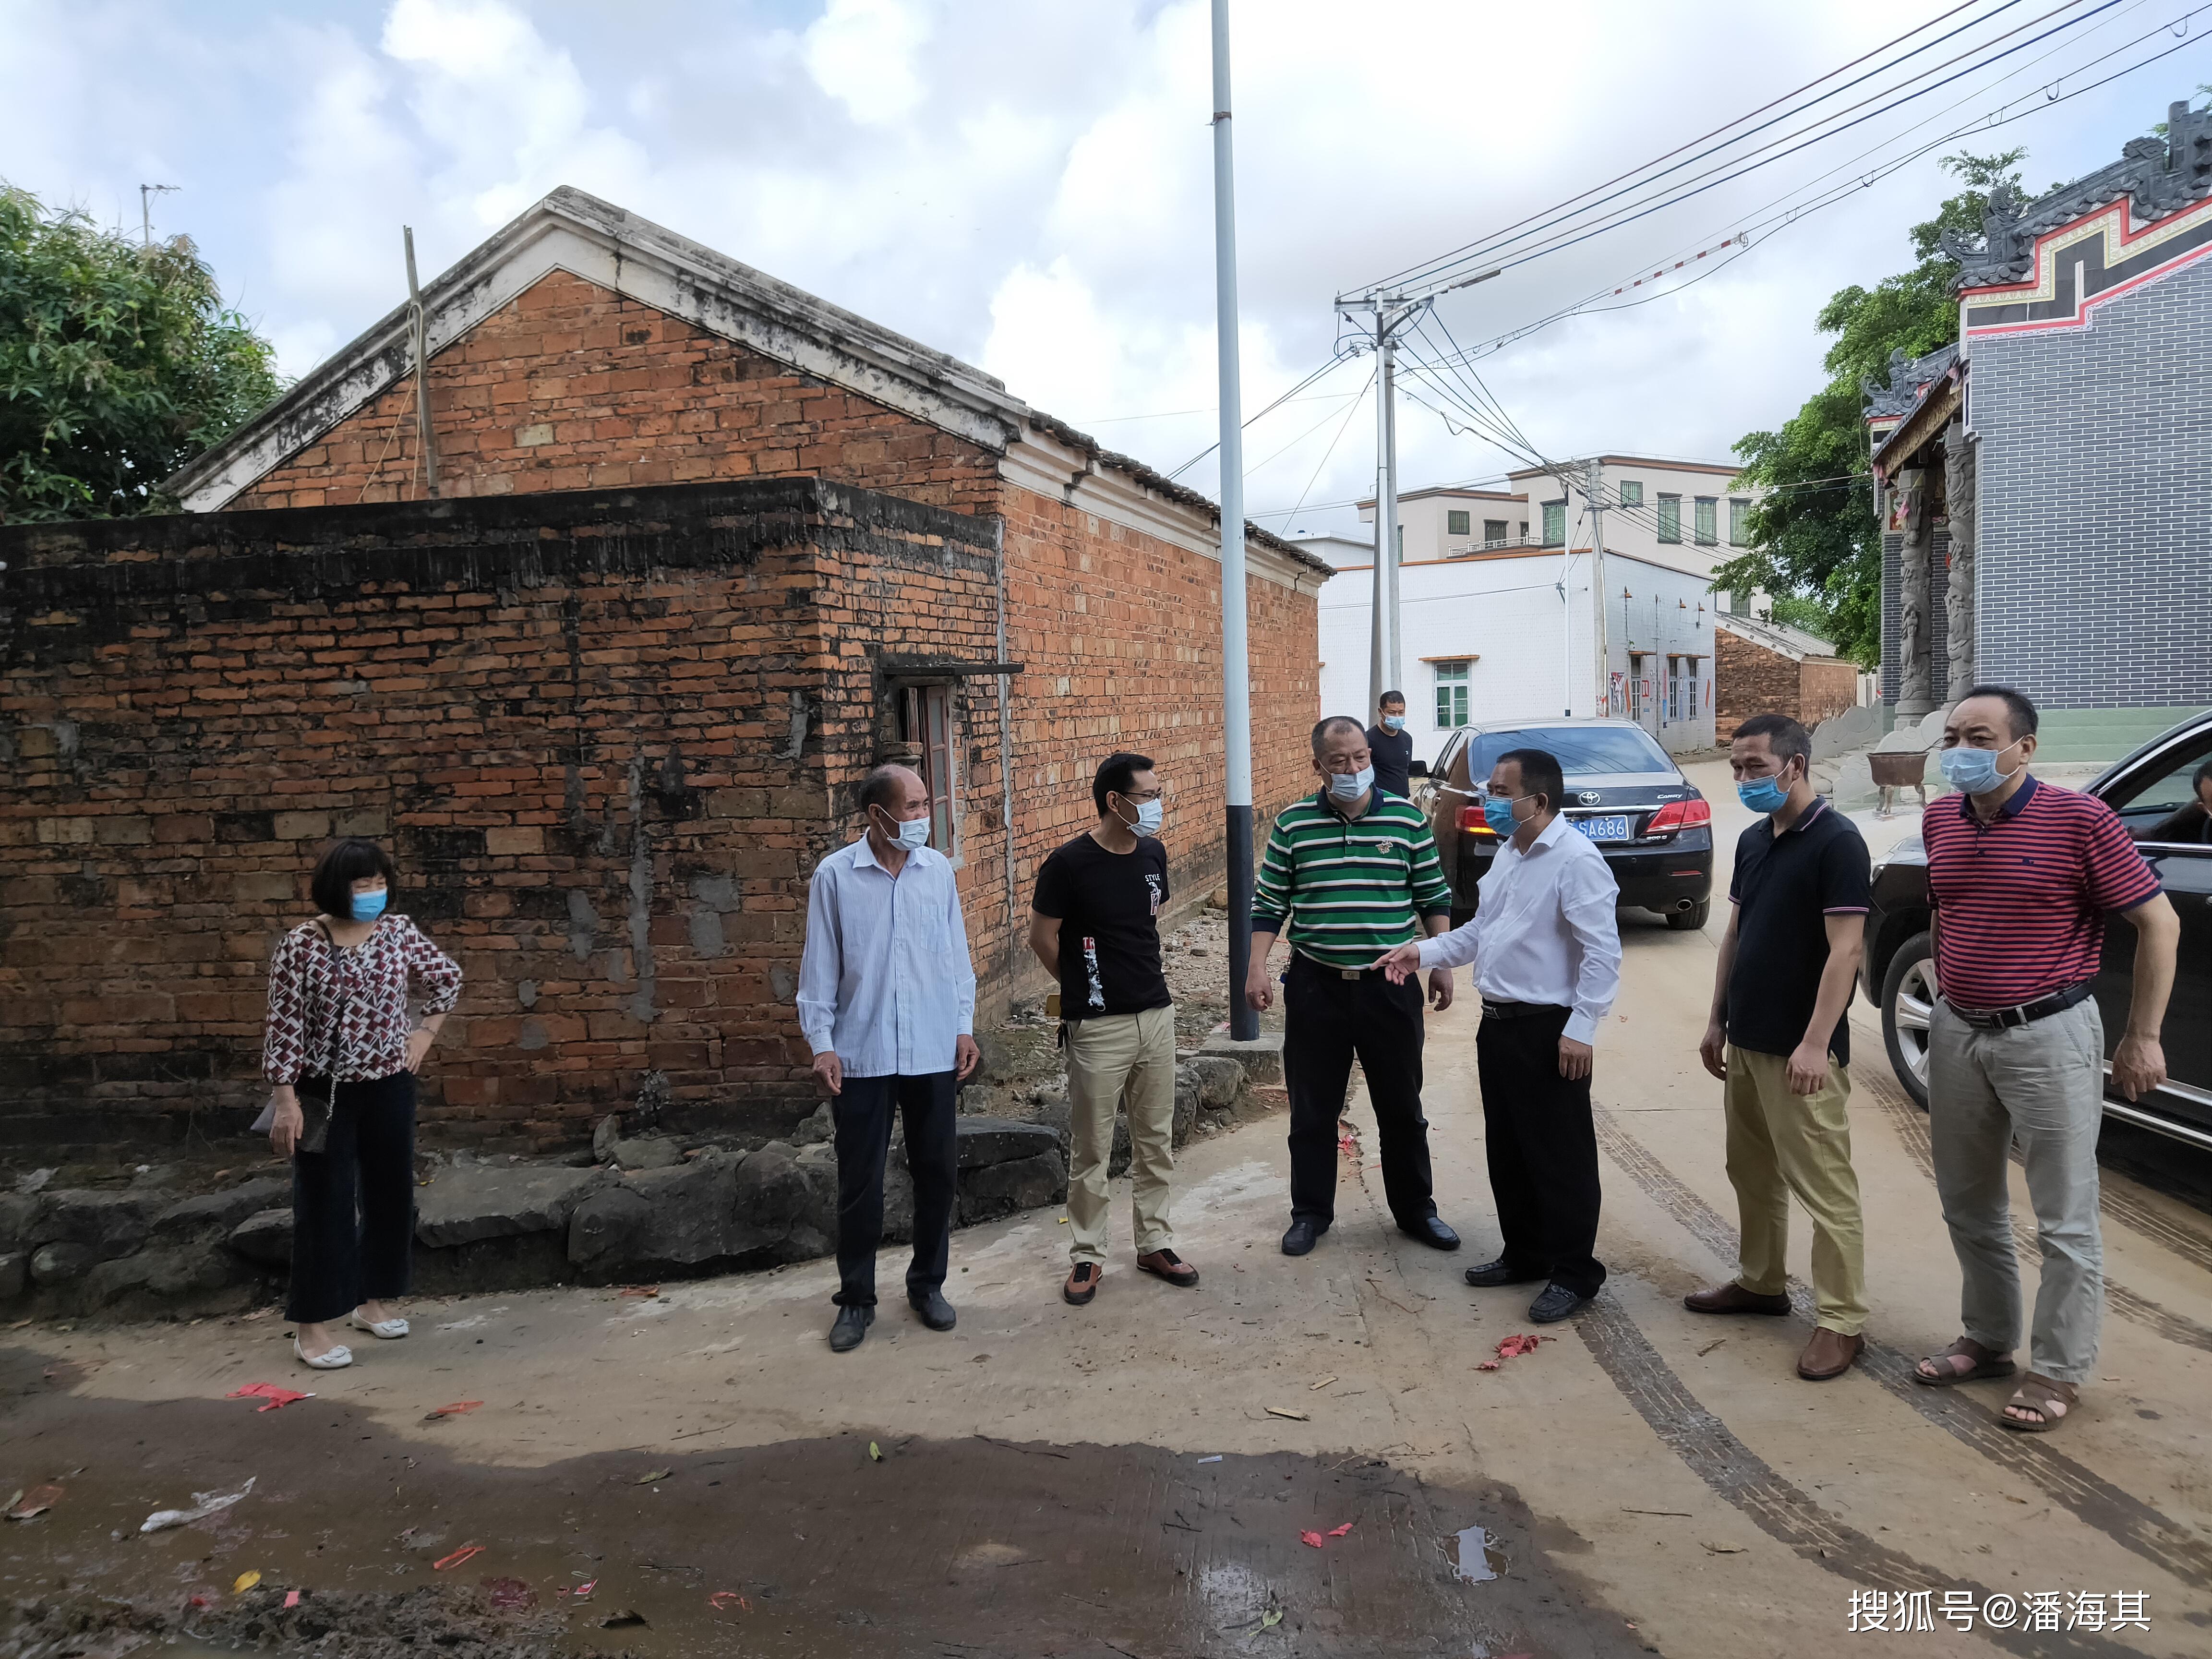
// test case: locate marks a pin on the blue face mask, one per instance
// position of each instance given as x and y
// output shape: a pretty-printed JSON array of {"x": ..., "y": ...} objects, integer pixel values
[
  {"x": 1150, "y": 814},
  {"x": 1394, "y": 722},
  {"x": 1763, "y": 794},
  {"x": 1974, "y": 771},
  {"x": 1497, "y": 813},
  {"x": 368, "y": 907},
  {"x": 1351, "y": 786}
]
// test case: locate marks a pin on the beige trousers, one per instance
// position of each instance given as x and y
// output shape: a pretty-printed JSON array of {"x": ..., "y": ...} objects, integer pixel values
[
  {"x": 1111, "y": 1059},
  {"x": 1780, "y": 1144}
]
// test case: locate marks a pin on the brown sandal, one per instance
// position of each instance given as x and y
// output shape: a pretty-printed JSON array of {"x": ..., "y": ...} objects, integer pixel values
[
  {"x": 2039, "y": 1393},
  {"x": 1987, "y": 1362}
]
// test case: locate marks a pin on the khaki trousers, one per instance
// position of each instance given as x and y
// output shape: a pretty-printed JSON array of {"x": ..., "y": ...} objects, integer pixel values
[
  {"x": 2042, "y": 1084},
  {"x": 1113, "y": 1059},
  {"x": 1780, "y": 1142}
]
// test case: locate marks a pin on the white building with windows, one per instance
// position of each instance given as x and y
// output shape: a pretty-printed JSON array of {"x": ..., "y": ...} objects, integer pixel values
[{"x": 1501, "y": 614}]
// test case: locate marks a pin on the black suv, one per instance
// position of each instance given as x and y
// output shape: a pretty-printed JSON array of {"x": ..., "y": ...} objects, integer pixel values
[
  {"x": 1623, "y": 791},
  {"x": 2156, "y": 794}
]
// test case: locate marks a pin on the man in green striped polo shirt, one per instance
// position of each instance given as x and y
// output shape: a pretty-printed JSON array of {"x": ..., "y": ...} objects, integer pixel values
[{"x": 1354, "y": 872}]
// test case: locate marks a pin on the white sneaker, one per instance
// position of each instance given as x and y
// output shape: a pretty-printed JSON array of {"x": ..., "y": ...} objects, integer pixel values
[
  {"x": 389, "y": 1329},
  {"x": 334, "y": 1359}
]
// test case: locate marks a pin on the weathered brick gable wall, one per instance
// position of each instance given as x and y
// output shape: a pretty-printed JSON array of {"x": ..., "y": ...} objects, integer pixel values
[
  {"x": 1749, "y": 679},
  {"x": 572, "y": 386},
  {"x": 569, "y": 717},
  {"x": 1122, "y": 633}
]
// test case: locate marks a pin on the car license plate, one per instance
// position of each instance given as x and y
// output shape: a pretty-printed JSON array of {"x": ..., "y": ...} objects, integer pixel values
[{"x": 1612, "y": 827}]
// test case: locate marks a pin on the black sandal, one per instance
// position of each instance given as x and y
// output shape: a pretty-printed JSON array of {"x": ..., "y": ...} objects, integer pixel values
[
  {"x": 1987, "y": 1362},
  {"x": 1082, "y": 1283}
]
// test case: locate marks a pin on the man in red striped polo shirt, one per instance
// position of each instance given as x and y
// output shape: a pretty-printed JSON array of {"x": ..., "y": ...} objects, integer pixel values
[{"x": 2021, "y": 876}]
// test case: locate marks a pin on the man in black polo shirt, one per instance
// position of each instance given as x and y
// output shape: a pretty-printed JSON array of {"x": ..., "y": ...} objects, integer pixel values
[
  {"x": 1096, "y": 928},
  {"x": 1390, "y": 747},
  {"x": 1780, "y": 1038}
]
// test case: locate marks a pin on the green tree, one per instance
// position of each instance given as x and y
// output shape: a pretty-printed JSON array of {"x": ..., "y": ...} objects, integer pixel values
[
  {"x": 119, "y": 363},
  {"x": 1815, "y": 539}
]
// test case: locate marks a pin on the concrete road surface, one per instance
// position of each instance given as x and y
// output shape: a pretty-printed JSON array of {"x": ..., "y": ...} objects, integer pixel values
[{"x": 1137, "y": 1478}]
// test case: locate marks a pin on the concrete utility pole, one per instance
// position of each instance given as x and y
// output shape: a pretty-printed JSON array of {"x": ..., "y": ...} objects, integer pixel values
[
  {"x": 1236, "y": 671},
  {"x": 1593, "y": 487},
  {"x": 426, "y": 433},
  {"x": 146, "y": 195}
]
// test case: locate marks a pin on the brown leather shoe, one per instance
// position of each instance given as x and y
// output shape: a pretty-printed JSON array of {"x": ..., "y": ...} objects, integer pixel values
[
  {"x": 1829, "y": 1354},
  {"x": 1733, "y": 1298}
]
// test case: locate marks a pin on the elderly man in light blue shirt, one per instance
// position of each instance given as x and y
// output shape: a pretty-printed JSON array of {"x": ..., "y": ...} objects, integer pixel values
[{"x": 887, "y": 1001}]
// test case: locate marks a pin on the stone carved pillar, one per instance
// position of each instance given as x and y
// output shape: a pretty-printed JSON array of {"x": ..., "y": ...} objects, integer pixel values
[
  {"x": 1959, "y": 462},
  {"x": 1916, "y": 691}
]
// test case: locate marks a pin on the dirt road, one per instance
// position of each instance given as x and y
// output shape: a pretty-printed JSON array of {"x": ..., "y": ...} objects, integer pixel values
[{"x": 1135, "y": 1478}]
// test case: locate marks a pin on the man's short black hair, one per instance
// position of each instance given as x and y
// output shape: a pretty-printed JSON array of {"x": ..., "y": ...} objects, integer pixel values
[
  {"x": 1786, "y": 739},
  {"x": 353, "y": 860},
  {"x": 1115, "y": 775},
  {"x": 2203, "y": 776},
  {"x": 1329, "y": 726},
  {"x": 1540, "y": 775},
  {"x": 1398, "y": 697},
  {"x": 2020, "y": 713},
  {"x": 882, "y": 787}
]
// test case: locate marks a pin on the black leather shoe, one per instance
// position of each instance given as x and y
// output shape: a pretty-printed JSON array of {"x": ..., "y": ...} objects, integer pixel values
[
  {"x": 1501, "y": 1272},
  {"x": 936, "y": 1312},
  {"x": 1431, "y": 1232},
  {"x": 1301, "y": 1236},
  {"x": 1555, "y": 1302},
  {"x": 851, "y": 1326}
]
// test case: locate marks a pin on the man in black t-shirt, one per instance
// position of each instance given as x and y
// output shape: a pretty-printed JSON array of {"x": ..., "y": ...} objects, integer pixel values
[
  {"x": 1780, "y": 1038},
  {"x": 1097, "y": 930},
  {"x": 1391, "y": 747}
]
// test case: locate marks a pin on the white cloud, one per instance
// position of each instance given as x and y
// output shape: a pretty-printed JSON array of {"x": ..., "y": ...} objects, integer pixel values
[{"x": 861, "y": 52}]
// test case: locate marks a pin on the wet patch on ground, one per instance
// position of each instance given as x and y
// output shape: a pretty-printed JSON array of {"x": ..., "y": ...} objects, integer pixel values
[{"x": 843, "y": 1546}]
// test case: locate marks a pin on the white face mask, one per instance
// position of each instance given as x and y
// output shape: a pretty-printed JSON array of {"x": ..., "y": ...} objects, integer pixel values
[
  {"x": 1351, "y": 786},
  {"x": 912, "y": 834},
  {"x": 1150, "y": 815}
]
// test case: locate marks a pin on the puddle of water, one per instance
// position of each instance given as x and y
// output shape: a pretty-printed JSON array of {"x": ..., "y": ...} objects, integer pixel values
[{"x": 1480, "y": 1559}]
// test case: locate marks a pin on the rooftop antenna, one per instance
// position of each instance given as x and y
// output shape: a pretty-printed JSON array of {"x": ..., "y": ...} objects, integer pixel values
[
  {"x": 146, "y": 195},
  {"x": 425, "y": 432}
]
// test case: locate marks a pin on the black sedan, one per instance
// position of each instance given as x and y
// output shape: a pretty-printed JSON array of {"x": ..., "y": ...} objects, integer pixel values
[
  {"x": 1623, "y": 791},
  {"x": 2159, "y": 795}
]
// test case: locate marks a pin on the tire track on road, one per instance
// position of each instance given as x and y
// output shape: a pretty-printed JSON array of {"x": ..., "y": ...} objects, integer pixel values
[{"x": 2097, "y": 1503}]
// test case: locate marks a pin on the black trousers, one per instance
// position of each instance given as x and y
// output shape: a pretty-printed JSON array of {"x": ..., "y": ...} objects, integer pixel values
[
  {"x": 862, "y": 1112},
  {"x": 353, "y": 1203},
  {"x": 1543, "y": 1150},
  {"x": 1328, "y": 1022}
]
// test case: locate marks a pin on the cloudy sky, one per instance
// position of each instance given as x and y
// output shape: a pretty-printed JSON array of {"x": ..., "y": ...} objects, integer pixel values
[{"x": 1028, "y": 184}]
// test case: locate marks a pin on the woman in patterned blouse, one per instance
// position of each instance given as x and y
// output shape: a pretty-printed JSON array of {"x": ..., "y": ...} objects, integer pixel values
[{"x": 337, "y": 1010}]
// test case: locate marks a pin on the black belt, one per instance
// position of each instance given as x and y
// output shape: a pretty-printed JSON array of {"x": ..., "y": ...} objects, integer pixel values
[
  {"x": 1519, "y": 1010},
  {"x": 1302, "y": 959},
  {"x": 2005, "y": 1019}
]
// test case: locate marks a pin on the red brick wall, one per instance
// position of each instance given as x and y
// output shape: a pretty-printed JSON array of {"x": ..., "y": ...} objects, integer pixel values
[
  {"x": 572, "y": 386},
  {"x": 1749, "y": 679},
  {"x": 565, "y": 716},
  {"x": 1122, "y": 633}
]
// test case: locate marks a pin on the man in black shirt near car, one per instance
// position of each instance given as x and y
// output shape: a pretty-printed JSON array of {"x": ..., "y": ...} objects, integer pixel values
[
  {"x": 1390, "y": 747},
  {"x": 1780, "y": 1038},
  {"x": 1096, "y": 928}
]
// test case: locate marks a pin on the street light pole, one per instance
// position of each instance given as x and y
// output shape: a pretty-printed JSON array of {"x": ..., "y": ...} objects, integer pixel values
[
  {"x": 1236, "y": 674},
  {"x": 1593, "y": 488}
]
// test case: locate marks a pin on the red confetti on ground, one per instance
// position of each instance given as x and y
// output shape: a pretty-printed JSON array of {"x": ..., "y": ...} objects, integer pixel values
[
  {"x": 1487, "y": 1365},
  {"x": 1312, "y": 1541},
  {"x": 510, "y": 1594},
  {"x": 199, "y": 1602},
  {"x": 457, "y": 1556},
  {"x": 1338, "y": 1532},
  {"x": 1514, "y": 1346},
  {"x": 1346, "y": 1145},
  {"x": 277, "y": 1398},
  {"x": 291, "y": 1598},
  {"x": 583, "y": 1591},
  {"x": 723, "y": 1601},
  {"x": 458, "y": 1408}
]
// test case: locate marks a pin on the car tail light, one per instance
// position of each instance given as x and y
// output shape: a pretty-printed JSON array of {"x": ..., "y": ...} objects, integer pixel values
[
  {"x": 1471, "y": 822},
  {"x": 1679, "y": 815}
]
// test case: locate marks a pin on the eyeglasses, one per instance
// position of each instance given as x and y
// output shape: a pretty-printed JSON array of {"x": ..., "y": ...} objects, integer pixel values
[{"x": 1140, "y": 796}]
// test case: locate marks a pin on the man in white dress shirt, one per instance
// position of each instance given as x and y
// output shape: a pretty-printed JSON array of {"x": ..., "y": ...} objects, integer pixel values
[
  {"x": 1545, "y": 947},
  {"x": 887, "y": 1001}
]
